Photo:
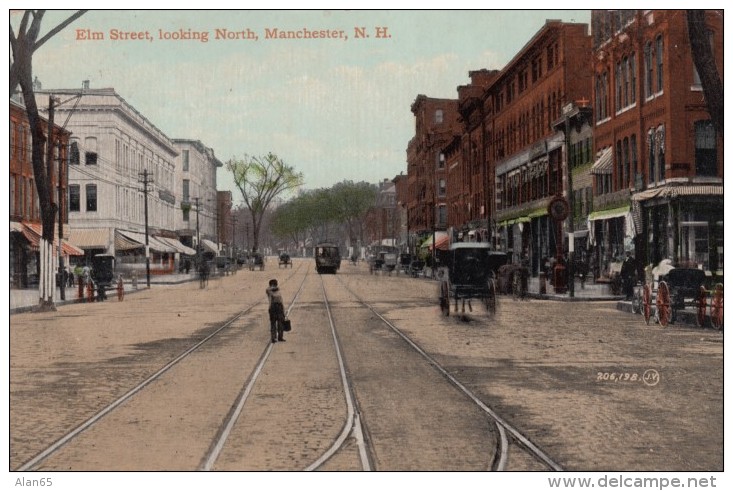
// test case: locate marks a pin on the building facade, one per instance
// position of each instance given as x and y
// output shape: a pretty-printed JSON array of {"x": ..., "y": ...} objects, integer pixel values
[
  {"x": 436, "y": 123},
  {"x": 25, "y": 213},
  {"x": 659, "y": 177},
  {"x": 121, "y": 196}
]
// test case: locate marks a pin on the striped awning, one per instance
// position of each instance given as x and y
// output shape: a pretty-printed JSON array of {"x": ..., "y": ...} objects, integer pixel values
[
  {"x": 176, "y": 244},
  {"x": 32, "y": 232},
  {"x": 672, "y": 191},
  {"x": 209, "y": 246},
  {"x": 89, "y": 238},
  {"x": 154, "y": 243},
  {"x": 604, "y": 162}
]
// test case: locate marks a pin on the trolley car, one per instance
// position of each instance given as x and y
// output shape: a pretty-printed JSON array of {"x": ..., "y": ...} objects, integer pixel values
[{"x": 328, "y": 258}]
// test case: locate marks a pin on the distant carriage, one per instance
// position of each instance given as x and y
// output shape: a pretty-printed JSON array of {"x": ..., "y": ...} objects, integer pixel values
[
  {"x": 103, "y": 274},
  {"x": 383, "y": 258},
  {"x": 328, "y": 258},
  {"x": 284, "y": 260}
]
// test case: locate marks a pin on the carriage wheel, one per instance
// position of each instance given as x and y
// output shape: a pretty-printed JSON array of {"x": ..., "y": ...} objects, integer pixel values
[
  {"x": 663, "y": 304},
  {"x": 445, "y": 298},
  {"x": 120, "y": 290},
  {"x": 716, "y": 307},
  {"x": 646, "y": 298},
  {"x": 490, "y": 300},
  {"x": 702, "y": 302}
]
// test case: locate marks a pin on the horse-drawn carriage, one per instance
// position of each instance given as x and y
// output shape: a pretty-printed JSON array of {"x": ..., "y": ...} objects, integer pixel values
[
  {"x": 470, "y": 272},
  {"x": 284, "y": 260},
  {"x": 256, "y": 260},
  {"x": 383, "y": 258},
  {"x": 676, "y": 289}
]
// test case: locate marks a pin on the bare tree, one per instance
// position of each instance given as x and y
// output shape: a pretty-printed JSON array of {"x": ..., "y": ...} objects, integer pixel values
[
  {"x": 23, "y": 45},
  {"x": 261, "y": 180},
  {"x": 702, "y": 55}
]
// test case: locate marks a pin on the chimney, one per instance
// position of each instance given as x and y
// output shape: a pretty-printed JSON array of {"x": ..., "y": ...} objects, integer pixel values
[{"x": 85, "y": 85}]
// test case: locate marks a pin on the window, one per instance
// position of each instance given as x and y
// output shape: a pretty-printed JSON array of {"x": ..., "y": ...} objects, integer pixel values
[
  {"x": 91, "y": 190},
  {"x": 74, "y": 197},
  {"x": 627, "y": 165},
  {"x": 660, "y": 63},
  {"x": 648, "y": 70},
  {"x": 185, "y": 160},
  {"x": 90, "y": 158},
  {"x": 619, "y": 166},
  {"x": 90, "y": 155},
  {"x": 660, "y": 151},
  {"x": 186, "y": 189},
  {"x": 634, "y": 162},
  {"x": 650, "y": 145},
  {"x": 441, "y": 188},
  {"x": 632, "y": 76},
  {"x": 706, "y": 154},
  {"x": 74, "y": 153},
  {"x": 438, "y": 116},
  {"x": 441, "y": 160},
  {"x": 442, "y": 215},
  {"x": 619, "y": 83}
]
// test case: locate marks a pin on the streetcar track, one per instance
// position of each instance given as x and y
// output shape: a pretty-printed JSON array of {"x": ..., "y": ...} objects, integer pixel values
[
  {"x": 502, "y": 425},
  {"x": 68, "y": 437}
]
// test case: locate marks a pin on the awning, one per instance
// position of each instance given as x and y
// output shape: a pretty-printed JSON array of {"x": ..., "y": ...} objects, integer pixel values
[
  {"x": 155, "y": 244},
  {"x": 32, "y": 232},
  {"x": 612, "y": 213},
  {"x": 441, "y": 243},
  {"x": 604, "y": 162},
  {"x": 672, "y": 191},
  {"x": 89, "y": 238},
  {"x": 209, "y": 246},
  {"x": 176, "y": 244},
  {"x": 122, "y": 243},
  {"x": 428, "y": 243}
]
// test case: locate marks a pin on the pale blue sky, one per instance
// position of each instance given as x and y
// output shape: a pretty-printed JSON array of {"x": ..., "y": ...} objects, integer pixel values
[{"x": 334, "y": 109}]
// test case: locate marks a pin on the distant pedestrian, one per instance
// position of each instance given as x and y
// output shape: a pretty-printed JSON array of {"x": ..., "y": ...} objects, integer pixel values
[
  {"x": 276, "y": 311},
  {"x": 628, "y": 275}
]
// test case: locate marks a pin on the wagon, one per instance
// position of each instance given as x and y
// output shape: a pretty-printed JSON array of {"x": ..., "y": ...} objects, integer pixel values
[
  {"x": 471, "y": 272},
  {"x": 257, "y": 260},
  {"x": 677, "y": 289},
  {"x": 284, "y": 260}
]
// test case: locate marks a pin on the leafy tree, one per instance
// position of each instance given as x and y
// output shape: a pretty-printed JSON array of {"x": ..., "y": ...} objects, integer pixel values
[
  {"x": 702, "y": 55},
  {"x": 351, "y": 202},
  {"x": 23, "y": 44},
  {"x": 261, "y": 180}
]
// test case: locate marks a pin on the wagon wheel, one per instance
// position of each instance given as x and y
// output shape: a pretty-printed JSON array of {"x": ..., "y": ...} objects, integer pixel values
[
  {"x": 445, "y": 298},
  {"x": 120, "y": 290},
  {"x": 646, "y": 306},
  {"x": 490, "y": 299},
  {"x": 716, "y": 307},
  {"x": 702, "y": 303},
  {"x": 663, "y": 304}
]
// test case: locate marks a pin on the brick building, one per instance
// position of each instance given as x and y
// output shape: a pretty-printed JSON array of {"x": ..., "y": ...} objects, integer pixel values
[
  {"x": 524, "y": 149},
  {"x": 660, "y": 175},
  {"x": 436, "y": 123},
  {"x": 25, "y": 213}
]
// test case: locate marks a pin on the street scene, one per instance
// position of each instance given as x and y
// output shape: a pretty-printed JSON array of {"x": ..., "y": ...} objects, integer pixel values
[{"x": 322, "y": 240}]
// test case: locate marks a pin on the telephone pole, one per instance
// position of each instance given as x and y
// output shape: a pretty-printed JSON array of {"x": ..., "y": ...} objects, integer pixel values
[{"x": 146, "y": 180}]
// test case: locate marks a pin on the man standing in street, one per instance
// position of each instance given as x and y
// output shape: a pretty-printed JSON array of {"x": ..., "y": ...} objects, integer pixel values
[
  {"x": 628, "y": 272},
  {"x": 276, "y": 311}
]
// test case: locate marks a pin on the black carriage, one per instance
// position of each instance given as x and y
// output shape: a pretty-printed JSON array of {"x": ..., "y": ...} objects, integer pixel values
[
  {"x": 284, "y": 260},
  {"x": 416, "y": 267},
  {"x": 405, "y": 261},
  {"x": 257, "y": 260},
  {"x": 470, "y": 272},
  {"x": 103, "y": 274},
  {"x": 328, "y": 258}
]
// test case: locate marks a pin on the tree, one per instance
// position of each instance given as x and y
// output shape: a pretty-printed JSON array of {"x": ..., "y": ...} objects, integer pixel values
[
  {"x": 23, "y": 45},
  {"x": 702, "y": 55},
  {"x": 352, "y": 201},
  {"x": 261, "y": 180}
]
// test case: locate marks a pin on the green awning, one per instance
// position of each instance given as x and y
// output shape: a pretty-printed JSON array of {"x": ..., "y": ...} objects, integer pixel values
[{"x": 612, "y": 213}]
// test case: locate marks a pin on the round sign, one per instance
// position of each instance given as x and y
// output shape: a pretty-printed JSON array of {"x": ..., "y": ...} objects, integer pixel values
[{"x": 558, "y": 208}]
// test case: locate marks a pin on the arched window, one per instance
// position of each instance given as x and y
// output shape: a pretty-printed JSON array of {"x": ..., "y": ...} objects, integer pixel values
[
  {"x": 659, "y": 49},
  {"x": 660, "y": 151},
  {"x": 648, "y": 70},
  {"x": 650, "y": 146}
]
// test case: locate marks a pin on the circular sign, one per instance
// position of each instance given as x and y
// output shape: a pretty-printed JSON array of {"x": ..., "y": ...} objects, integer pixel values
[{"x": 558, "y": 208}]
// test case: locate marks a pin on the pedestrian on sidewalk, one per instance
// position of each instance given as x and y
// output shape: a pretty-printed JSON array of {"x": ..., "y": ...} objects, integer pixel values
[
  {"x": 628, "y": 275},
  {"x": 276, "y": 311}
]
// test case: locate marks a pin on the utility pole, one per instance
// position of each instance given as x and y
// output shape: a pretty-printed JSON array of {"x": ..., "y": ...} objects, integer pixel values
[
  {"x": 234, "y": 223},
  {"x": 571, "y": 206},
  {"x": 145, "y": 182},
  {"x": 198, "y": 234},
  {"x": 50, "y": 145}
]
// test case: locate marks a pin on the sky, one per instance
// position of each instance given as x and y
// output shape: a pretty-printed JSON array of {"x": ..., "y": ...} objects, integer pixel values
[{"x": 335, "y": 109}]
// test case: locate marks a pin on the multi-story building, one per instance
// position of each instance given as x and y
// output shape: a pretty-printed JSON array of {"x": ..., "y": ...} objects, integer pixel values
[
  {"x": 382, "y": 220},
  {"x": 198, "y": 219},
  {"x": 659, "y": 177},
  {"x": 472, "y": 205},
  {"x": 436, "y": 123},
  {"x": 524, "y": 150},
  {"x": 400, "y": 184},
  {"x": 121, "y": 180},
  {"x": 25, "y": 213}
]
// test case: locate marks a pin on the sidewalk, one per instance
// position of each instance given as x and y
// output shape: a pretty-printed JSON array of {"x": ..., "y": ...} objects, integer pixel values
[{"x": 25, "y": 300}]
